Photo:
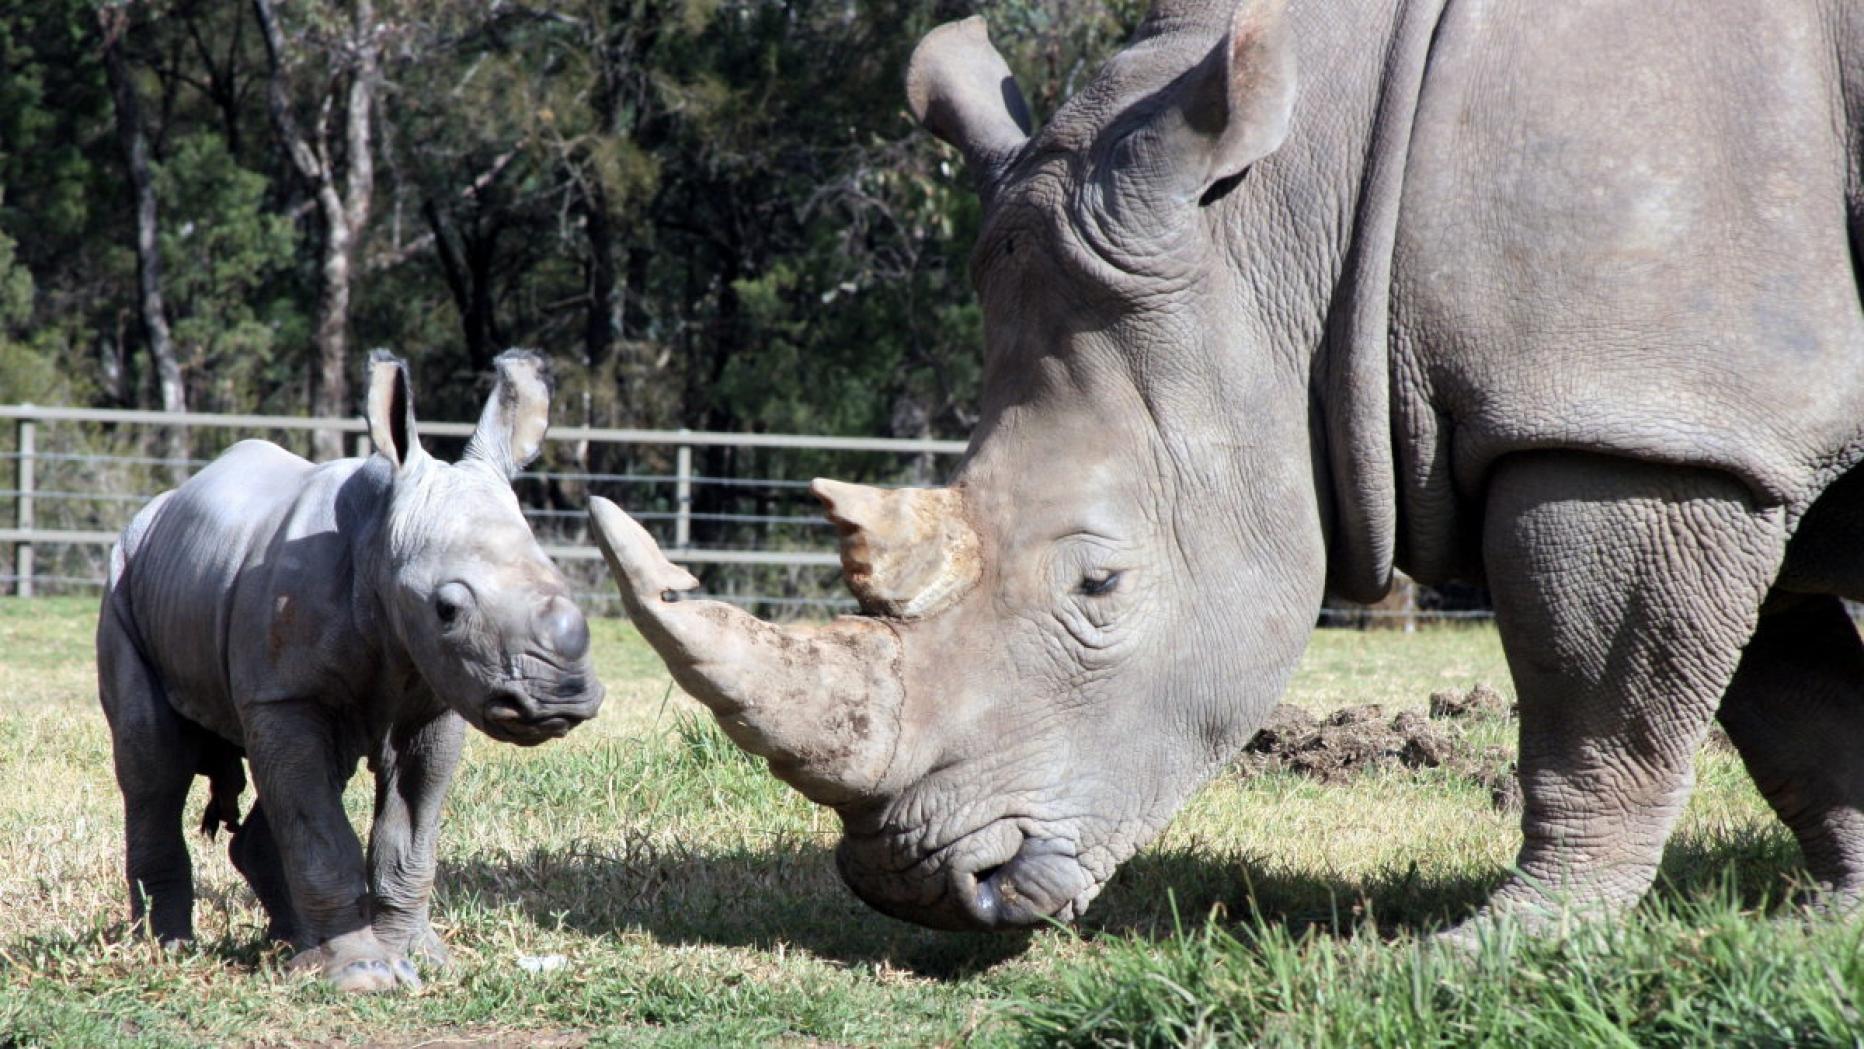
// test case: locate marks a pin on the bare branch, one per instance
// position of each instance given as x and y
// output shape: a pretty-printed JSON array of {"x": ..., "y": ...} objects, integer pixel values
[{"x": 278, "y": 97}]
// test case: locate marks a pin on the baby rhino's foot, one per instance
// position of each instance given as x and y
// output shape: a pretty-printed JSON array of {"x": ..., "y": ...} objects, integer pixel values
[
  {"x": 422, "y": 945},
  {"x": 357, "y": 962},
  {"x": 427, "y": 947}
]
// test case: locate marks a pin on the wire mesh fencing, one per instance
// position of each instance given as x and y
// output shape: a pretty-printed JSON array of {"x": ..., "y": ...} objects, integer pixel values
[{"x": 734, "y": 508}]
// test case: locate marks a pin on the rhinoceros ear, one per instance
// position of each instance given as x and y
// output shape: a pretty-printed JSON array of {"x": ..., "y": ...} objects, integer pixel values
[
  {"x": 1231, "y": 110},
  {"x": 511, "y": 428},
  {"x": 960, "y": 89},
  {"x": 390, "y": 410}
]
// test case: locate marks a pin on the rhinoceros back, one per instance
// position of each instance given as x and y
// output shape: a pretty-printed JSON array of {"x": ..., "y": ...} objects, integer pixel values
[{"x": 204, "y": 564}]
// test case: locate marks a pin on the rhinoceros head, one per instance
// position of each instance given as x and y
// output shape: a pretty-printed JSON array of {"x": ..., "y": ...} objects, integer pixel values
[
  {"x": 484, "y": 616},
  {"x": 1062, "y": 644}
]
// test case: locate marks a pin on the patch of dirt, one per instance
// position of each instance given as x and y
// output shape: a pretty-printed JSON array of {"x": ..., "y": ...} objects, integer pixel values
[
  {"x": 1355, "y": 740},
  {"x": 1347, "y": 742},
  {"x": 1495, "y": 769},
  {"x": 1480, "y": 701}
]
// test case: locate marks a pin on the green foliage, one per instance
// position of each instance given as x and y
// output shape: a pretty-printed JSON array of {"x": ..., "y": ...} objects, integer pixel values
[
  {"x": 714, "y": 212},
  {"x": 54, "y": 124},
  {"x": 15, "y": 288},
  {"x": 28, "y": 373},
  {"x": 220, "y": 248}
]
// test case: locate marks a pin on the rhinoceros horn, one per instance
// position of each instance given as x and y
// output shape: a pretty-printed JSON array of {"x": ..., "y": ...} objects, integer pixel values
[
  {"x": 821, "y": 704},
  {"x": 905, "y": 552}
]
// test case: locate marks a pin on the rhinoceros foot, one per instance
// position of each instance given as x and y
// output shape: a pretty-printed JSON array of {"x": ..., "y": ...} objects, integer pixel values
[{"x": 357, "y": 962}]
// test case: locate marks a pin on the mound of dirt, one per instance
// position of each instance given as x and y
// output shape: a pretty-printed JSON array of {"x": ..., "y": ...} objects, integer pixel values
[
  {"x": 1348, "y": 741},
  {"x": 1480, "y": 701},
  {"x": 1355, "y": 740},
  {"x": 1493, "y": 768}
]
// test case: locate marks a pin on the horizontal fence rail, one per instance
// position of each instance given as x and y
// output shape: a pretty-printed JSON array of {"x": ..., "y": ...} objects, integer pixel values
[
  {"x": 68, "y": 494},
  {"x": 751, "y": 531},
  {"x": 688, "y": 438}
]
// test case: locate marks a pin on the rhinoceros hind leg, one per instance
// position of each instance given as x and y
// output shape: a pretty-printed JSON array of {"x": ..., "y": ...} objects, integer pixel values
[
  {"x": 1625, "y": 592},
  {"x": 1796, "y": 713},
  {"x": 156, "y": 752},
  {"x": 254, "y": 853}
]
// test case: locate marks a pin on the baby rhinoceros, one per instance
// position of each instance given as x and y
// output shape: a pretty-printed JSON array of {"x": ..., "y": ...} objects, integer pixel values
[{"x": 306, "y": 616}]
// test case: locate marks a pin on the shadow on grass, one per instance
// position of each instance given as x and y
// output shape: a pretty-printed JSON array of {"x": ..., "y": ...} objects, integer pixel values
[
  {"x": 1158, "y": 891},
  {"x": 788, "y": 894}
]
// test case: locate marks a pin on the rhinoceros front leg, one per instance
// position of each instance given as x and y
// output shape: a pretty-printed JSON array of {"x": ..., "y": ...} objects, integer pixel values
[
  {"x": 300, "y": 772},
  {"x": 412, "y": 775},
  {"x": 1796, "y": 714},
  {"x": 1624, "y": 592}
]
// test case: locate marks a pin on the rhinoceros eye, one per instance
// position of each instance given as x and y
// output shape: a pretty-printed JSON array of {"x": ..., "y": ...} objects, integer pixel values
[
  {"x": 450, "y": 603},
  {"x": 1100, "y": 584}
]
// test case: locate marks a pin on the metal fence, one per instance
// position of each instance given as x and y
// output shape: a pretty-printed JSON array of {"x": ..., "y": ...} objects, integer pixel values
[
  {"x": 80, "y": 474},
  {"x": 750, "y": 529}
]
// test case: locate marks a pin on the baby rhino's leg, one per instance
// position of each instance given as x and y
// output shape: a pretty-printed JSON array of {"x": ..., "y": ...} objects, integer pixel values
[
  {"x": 156, "y": 752},
  {"x": 411, "y": 782},
  {"x": 300, "y": 771}
]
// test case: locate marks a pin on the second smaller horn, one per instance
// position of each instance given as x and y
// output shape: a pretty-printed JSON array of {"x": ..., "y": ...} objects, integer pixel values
[{"x": 906, "y": 553}]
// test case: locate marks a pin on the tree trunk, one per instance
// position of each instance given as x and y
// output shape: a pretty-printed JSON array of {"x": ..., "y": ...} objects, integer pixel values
[
  {"x": 602, "y": 322},
  {"x": 466, "y": 267},
  {"x": 343, "y": 202},
  {"x": 114, "y": 22}
]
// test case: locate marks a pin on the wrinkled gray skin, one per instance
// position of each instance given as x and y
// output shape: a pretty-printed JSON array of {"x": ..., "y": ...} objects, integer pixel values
[
  {"x": 308, "y": 616},
  {"x": 1560, "y": 296}
]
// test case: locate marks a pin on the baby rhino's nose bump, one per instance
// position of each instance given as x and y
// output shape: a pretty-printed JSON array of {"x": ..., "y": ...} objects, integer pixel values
[{"x": 563, "y": 626}]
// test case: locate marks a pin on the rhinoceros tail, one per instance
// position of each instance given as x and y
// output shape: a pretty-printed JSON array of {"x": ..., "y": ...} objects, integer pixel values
[{"x": 223, "y": 765}]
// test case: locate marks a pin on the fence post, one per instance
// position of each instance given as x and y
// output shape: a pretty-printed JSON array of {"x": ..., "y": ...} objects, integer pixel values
[
  {"x": 22, "y": 508},
  {"x": 683, "y": 496},
  {"x": 363, "y": 448}
]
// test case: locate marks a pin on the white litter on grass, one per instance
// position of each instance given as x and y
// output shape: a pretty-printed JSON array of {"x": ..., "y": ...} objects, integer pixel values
[{"x": 541, "y": 963}]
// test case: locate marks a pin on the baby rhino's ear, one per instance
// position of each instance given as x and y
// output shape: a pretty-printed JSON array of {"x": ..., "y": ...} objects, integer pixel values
[
  {"x": 390, "y": 410},
  {"x": 511, "y": 428}
]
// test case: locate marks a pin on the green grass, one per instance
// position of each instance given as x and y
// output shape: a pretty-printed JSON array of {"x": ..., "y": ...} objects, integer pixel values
[{"x": 695, "y": 902}]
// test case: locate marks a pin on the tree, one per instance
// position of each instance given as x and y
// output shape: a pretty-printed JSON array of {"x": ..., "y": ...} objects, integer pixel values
[
  {"x": 113, "y": 22},
  {"x": 340, "y": 175},
  {"x": 220, "y": 247}
]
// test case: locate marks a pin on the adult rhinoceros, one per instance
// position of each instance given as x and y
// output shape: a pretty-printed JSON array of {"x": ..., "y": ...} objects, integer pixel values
[{"x": 1559, "y": 295}]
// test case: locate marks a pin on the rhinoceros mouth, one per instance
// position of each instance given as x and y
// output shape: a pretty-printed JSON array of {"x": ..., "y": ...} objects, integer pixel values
[
  {"x": 998, "y": 877},
  {"x": 513, "y": 717}
]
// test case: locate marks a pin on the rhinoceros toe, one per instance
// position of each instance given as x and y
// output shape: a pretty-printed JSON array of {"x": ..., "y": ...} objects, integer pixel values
[
  {"x": 405, "y": 974},
  {"x": 427, "y": 948},
  {"x": 363, "y": 976}
]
